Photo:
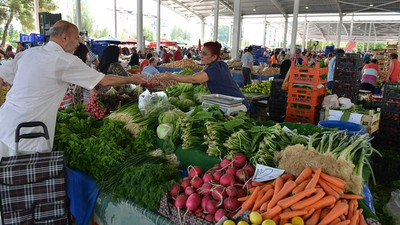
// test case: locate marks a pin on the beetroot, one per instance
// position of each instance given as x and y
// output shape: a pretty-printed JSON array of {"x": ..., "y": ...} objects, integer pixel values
[
  {"x": 217, "y": 176},
  {"x": 231, "y": 204},
  {"x": 227, "y": 180},
  {"x": 206, "y": 188},
  {"x": 242, "y": 175},
  {"x": 175, "y": 189},
  {"x": 218, "y": 193},
  {"x": 193, "y": 202},
  {"x": 250, "y": 169},
  {"x": 241, "y": 193},
  {"x": 225, "y": 163},
  {"x": 219, "y": 214},
  {"x": 180, "y": 201},
  {"x": 185, "y": 183},
  {"x": 231, "y": 191},
  {"x": 210, "y": 217},
  {"x": 231, "y": 171},
  {"x": 195, "y": 171},
  {"x": 196, "y": 182},
  {"x": 239, "y": 160},
  {"x": 189, "y": 190},
  {"x": 204, "y": 201},
  {"x": 208, "y": 178},
  {"x": 211, "y": 206}
]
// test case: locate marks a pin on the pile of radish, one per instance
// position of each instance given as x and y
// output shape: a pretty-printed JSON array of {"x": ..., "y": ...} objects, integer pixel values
[
  {"x": 94, "y": 108},
  {"x": 214, "y": 194}
]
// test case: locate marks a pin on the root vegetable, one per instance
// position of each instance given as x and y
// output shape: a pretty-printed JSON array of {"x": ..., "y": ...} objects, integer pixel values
[
  {"x": 180, "y": 201},
  {"x": 225, "y": 163},
  {"x": 242, "y": 175},
  {"x": 206, "y": 188},
  {"x": 210, "y": 217},
  {"x": 193, "y": 202},
  {"x": 227, "y": 180},
  {"x": 231, "y": 204},
  {"x": 217, "y": 176},
  {"x": 239, "y": 160},
  {"x": 231, "y": 171},
  {"x": 204, "y": 202},
  {"x": 195, "y": 171},
  {"x": 212, "y": 206},
  {"x": 250, "y": 169},
  {"x": 207, "y": 178},
  {"x": 189, "y": 190},
  {"x": 185, "y": 183},
  {"x": 218, "y": 193},
  {"x": 219, "y": 214},
  {"x": 175, "y": 189},
  {"x": 231, "y": 191},
  {"x": 196, "y": 182}
]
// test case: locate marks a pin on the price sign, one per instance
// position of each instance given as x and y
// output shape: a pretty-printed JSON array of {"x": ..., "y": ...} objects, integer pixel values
[{"x": 266, "y": 173}]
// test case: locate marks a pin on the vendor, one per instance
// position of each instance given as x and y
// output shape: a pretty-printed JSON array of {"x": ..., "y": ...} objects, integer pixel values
[
  {"x": 393, "y": 69},
  {"x": 151, "y": 69},
  {"x": 370, "y": 73},
  {"x": 216, "y": 74}
]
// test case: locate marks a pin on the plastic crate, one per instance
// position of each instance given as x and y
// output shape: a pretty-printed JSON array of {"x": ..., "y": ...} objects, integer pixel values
[
  {"x": 31, "y": 38},
  {"x": 302, "y": 115},
  {"x": 349, "y": 61},
  {"x": 347, "y": 90},
  {"x": 392, "y": 91},
  {"x": 308, "y": 75},
  {"x": 381, "y": 166},
  {"x": 307, "y": 96},
  {"x": 347, "y": 75}
]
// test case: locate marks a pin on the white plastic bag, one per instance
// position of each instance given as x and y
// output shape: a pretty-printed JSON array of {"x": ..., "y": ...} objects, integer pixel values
[
  {"x": 393, "y": 206},
  {"x": 345, "y": 103},
  {"x": 153, "y": 103},
  {"x": 330, "y": 102}
]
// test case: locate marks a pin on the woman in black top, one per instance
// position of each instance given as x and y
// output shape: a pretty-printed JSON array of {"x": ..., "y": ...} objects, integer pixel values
[{"x": 134, "y": 58}]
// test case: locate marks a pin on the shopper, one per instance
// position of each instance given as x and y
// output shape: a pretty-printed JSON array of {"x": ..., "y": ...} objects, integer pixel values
[
  {"x": 298, "y": 60},
  {"x": 9, "y": 53},
  {"x": 145, "y": 62},
  {"x": 109, "y": 63},
  {"x": 247, "y": 66},
  {"x": 330, "y": 56},
  {"x": 281, "y": 57},
  {"x": 39, "y": 77},
  {"x": 20, "y": 47},
  {"x": 178, "y": 54},
  {"x": 216, "y": 74},
  {"x": 274, "y": 60},
  {"x": 393, "y": 69},
  {"x": 370, "y": 73},
  {"x": 134, "y": 61},
  {"x": 166, "y": 56},
  {"x": 331, "y": 69},
  {"x": 285, "y": 66},
  {"x": 151, "y": 69}
]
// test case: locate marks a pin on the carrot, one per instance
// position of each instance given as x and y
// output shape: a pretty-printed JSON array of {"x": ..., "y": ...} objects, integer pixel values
[
  {"x": 351, "y": 209},
  {"x": 291, "y": 214},
  {"x": 314, "y": 180},
  {"x": 351, "y": 196},
  {"x": 284, "y": 221},
  {"x": 266, "y": 197},
  {"x": 264, "y": 207},
  {"x": 362, "y": 220},
  {"x": 300, "y": 187},
  {"x": 324, "y": 202},
  {"x": 308, "y": 201},
  {"x": 267, "y": 187},
  {"x": 259, "y": 196},
  {"x": 256, "y": 184},
  {"x": 309, "y": 213},
  {"x": 306, "y": 173},
  {"x": 334, "y": 213},
  {"x": 286, "y": 190},
  {"x": 335, "y": 221},
  {"x": 344, "y": 222},
  {"x": 334, "y": 187},
  {"x": 276, "y": 219},
  {"x": 354, "y": 219},
  {"x": 313, "y": 220},
  {"x": 287, "y": 176},
  {"x": 334, "y": 180},
  {"x": 324, "y": 213},
  {"x": 287, "y": 202},
  {"x": 342, "y": 217},
  {"x": 271, "y": 213},
  {"x": 242, "y": 199},
  {"x": 248, "y": 204},
  {"x": 328, "y": 189},
  {"x": 278, "y": 185}
]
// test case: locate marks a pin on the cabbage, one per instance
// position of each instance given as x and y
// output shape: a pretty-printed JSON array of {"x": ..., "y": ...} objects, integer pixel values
[
  {"x": 169, "y": 117},
  {"x": 164, "y": 130}
]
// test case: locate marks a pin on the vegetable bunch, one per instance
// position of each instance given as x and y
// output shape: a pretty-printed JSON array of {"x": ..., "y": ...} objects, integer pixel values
[{"x": 263, "y": 87}]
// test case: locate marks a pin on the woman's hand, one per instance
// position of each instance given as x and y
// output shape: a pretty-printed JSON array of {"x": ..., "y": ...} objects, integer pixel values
[
  {"x": 138, "y": 79},
  {"x": 167, "y": 76}
]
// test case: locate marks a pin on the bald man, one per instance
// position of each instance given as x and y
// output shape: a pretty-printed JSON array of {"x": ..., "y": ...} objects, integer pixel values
[{"x": 39, "y": 77}]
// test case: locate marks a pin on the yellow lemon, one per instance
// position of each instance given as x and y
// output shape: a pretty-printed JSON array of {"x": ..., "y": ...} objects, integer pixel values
[
  {"x": 255, "y": 218},
  {"x": 242, "y": 223},
  {"x": 268, "y": 222},
  {"x": 297, "y": 220},
  {"x": 229, "y": 222}
]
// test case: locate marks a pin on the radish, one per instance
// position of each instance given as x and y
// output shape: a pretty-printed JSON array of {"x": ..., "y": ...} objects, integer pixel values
[
  {"x": 210, "y": 217},
  {"x": 232, "y": 171},
  {"x": 193, "y": 202},
  {"x": 204, "y": 201},
  {"x": 241, "y": 193},
  {"x": 175, "y": 189},
  {"x": 180, "y": 201},
  {"x": 196, "y": 182},
  {"x": 248, "y": 186},
  {"x": 219, "y": 214},
  {"x": 206, "y": 188},
  {"x": 217, "y": 166},
  {"x": 239, "y": 160},
  {"x": 199, "y": 212},
  {"x": 195, "y": 171},
  {"x": 211, "y": 206},
  {"x": 218, "y": 193},
  {"x": 242, "y": 175},
  {"x": 207, "y": 178},
  {"x": 231, "y": 204},
  {"x": 225, "y": 163},
  {"x": 217, "y": 176},
  {"x": 231, "y": 191},
  {"x": 185, "y": 183},
  {"x": 250, "y": 169},
  {"x": 189, "y": 190},
  {"x": 227, "y": 180}
]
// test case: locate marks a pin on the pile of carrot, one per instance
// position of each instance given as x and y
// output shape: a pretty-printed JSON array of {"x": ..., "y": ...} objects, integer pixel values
[{"x": 315, "y": 196}]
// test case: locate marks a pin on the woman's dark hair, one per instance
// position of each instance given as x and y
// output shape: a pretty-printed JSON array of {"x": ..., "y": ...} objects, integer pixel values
[
  {"x": 374, "y": 61},
  {"x": 110, "y": 55},
  {"x": 82, "y": 51},
  {"x": 394, "y": 56},
  {"x": 149, "y": 55},
  {"x": 214, "y": 47}
]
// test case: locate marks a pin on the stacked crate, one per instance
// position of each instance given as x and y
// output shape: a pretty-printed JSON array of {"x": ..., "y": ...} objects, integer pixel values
[
  {"x": 347, "y": 76},
  {"x": 277, "y": 101},
  {"x": 380, "y": 55},
  {"x": 307, "y": 89},
  {"x": 46, "y": 21}
]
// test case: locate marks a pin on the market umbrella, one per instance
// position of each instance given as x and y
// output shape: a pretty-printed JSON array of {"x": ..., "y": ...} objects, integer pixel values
[
  {"x": 199, "y": 46},
  {"x": 180, "y": 43},
  {"x": 110, "y": 39},
  {"x": 163, "y": 42}
]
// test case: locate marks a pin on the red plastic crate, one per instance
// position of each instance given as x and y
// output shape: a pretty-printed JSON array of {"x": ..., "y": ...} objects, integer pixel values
[
  {"x": 307, "y": 96},
  {"x": 308, "y": 75},
  {"x": 297, "y": 115}
]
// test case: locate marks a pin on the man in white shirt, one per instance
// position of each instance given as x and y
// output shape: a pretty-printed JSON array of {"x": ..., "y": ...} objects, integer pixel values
[
  {"x": 39, "y": 77},
  {"x": 247, "y": 65}
]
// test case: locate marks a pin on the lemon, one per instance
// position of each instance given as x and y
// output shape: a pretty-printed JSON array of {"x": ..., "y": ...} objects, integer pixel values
[
  {"x": 287, "y": 224},
  {"x": 297, "y": 220},
  {"x": 268, "y": 222},
  {"x": 229, "y": 222},
  {"x": 243, "y": 223},
  {"x": 255, "y": 218}
]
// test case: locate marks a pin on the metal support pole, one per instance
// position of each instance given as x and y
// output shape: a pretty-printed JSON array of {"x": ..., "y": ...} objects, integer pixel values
[
  {"x": 306, "y": 43},
  {"x": 78, "y": 14},
  {"x": 285, "y": 34},
  {"x": 369, "y": 36},
  {"x": 237, "y": 17},
  {"x": 36, "y": 8},
  {"x": 365, "y": 35},
  {"x": 303, "y": 46},
  {"x": 230, "y": 34},
  {"x": 139, "y": 18},
  {"x": 216, "y": 14},
  {"x": 294, "y": 26},
  {"x": 351, "y": 27},
  {"x": 203, "y": 24},
  {"x": 375, "y": 36},
  {"x": 339, "y": 30},
  {"x": 115, "y": 19},
  {"x": 158, "y": 31},
  {"x": 398, "y": 41},
  {"x": 264, "y": 30}
]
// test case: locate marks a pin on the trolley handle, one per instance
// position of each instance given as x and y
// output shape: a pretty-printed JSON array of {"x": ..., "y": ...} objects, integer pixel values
[{"x": 19, "y": 136}]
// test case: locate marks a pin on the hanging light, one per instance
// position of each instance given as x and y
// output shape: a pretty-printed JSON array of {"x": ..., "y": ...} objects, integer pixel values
[
  {"x": 306, "y": 7},
  {"x": 254, "y": 9}
]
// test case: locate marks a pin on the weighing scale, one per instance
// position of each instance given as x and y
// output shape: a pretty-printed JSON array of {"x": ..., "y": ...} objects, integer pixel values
[{"x": 228, "y": 104}]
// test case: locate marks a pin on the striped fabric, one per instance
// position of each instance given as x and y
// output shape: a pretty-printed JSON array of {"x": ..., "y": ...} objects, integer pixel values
[{"x": 370, "y": 74}]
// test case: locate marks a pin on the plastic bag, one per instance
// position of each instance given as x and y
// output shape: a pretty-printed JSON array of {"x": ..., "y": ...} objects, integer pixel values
[
  {"x": 330, "y": 102},
  {"x": 393, "y": 206},
  {"x": 153, "y": 103},
  {"x": 345, "y": 103},
  {"x": 369, "y": 200}
]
